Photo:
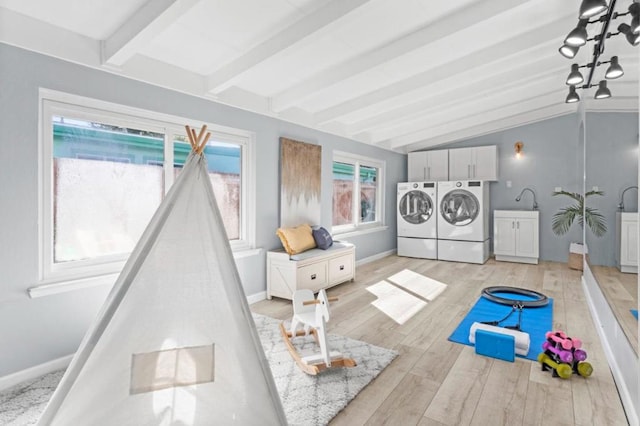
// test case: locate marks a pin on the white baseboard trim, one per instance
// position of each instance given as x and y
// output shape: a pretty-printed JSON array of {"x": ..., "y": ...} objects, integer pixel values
[
  {"x": 253, "y": 298},
  {"x": 34, "y": 372},
  {"x": 375, "y": 257},
  {"x": 621, "y": 379}
]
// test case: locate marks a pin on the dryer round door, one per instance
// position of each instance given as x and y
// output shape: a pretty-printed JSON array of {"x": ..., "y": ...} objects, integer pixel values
[
  {"x": 459, "y": 207},
  {"x": 415, "y": 207}
]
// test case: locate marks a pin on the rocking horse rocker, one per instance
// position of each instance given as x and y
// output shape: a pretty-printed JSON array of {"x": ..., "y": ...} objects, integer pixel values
[{"x": 312, "y": 316}]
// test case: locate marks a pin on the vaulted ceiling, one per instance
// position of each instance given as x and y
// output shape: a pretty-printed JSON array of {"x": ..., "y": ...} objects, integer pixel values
[{"x": 399, "y": 74}]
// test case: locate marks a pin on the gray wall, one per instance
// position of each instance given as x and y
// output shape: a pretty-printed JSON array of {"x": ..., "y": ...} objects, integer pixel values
[
  {"x": 612, "y": 166},
  {"x": 34, "y": 331},
  {"x": 551, "y": 158}
]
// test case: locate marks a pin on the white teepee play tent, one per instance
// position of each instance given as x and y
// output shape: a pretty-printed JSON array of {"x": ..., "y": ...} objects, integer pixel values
[{"x": 175, "y": 342}]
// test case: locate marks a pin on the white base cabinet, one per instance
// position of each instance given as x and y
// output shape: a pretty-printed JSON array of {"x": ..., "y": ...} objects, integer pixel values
[
  {"x": 516, "y": 236},
  {"x": 627, "y": 244},
  {"x": 314, "y": 269}
]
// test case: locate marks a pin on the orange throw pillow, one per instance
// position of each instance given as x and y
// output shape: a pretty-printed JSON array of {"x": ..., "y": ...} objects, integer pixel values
[{"x": 296, "y": 240}]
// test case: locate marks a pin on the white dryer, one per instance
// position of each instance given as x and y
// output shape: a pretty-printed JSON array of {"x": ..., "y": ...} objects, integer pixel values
[
  {"x": 463, "y": 221},
  {"x": 417, "y": 229}
]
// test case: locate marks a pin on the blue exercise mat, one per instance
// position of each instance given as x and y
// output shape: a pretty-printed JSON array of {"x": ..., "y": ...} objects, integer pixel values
[
  {"x": 535, "y": 321},
  {"x": 634, "y": 312}
]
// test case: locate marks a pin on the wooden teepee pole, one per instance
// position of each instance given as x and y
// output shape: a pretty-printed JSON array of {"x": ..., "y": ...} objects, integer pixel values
[{"x": 199, "y": 141}]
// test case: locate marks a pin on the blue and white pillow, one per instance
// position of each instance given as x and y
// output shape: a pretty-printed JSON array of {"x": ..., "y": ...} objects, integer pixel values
[{"x": 322, "y": 237}]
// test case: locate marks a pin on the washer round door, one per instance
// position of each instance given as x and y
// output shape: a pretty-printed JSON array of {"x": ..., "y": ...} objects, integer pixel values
[
  {"x": 415, "y": 207},
  {"x": 459, "y": 207}
]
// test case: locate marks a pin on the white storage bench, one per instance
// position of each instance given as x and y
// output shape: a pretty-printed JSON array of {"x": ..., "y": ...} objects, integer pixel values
[{"x": 314, "y": 269}]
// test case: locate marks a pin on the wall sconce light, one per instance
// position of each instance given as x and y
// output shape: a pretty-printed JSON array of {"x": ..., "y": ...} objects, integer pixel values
[{"x": 518, "y": 147}]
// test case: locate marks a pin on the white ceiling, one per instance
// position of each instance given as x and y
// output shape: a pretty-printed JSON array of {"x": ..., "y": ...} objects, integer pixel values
[{"x": 399, "y": 74}]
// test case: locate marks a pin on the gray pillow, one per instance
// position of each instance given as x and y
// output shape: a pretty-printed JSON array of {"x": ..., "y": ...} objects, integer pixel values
[{"x": 323, "y": 238}]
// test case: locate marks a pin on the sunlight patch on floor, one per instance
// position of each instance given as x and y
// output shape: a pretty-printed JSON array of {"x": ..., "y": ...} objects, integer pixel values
[
  {"x": 422, "y": 286},
  {"x": 394, "y": 302}
]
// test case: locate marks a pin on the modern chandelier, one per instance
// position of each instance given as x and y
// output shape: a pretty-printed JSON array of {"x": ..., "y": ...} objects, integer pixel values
[{"x": 593, "y": 12}]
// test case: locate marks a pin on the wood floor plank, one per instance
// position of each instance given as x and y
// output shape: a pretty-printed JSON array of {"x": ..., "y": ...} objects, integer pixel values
[
  {"x": 456, "y": 400},
  {"x": 436, "y": 382},
  {"x": 552, "y": 281},
  {"x": 426, "y": 421},
  {"x": 406, "y": 404},
  {"x": 445, "y": 316},
  {"x": 437, "y": 361},
  {"x": 506, "y": 387},
  {"x": 545, "y": 405},
  {"x": 372, "y": 397},
  {"x": 596, "y": 401}
]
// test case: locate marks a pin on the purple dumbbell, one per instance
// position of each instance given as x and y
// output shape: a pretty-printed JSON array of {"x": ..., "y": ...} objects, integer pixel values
[
  {"x": 579, "y": 355},
  {"x": 565, "y": 356}
]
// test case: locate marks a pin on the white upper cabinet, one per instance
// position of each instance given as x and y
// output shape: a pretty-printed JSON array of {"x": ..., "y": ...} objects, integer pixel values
[
  {"x": 479, "y": 163},
  {"x": 426, "y": 166}
]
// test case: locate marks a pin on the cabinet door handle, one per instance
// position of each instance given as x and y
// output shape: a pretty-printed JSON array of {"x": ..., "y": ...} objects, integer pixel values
[
  {"x": 428, "y": 172},
  {"x": 474, "y": 170},
  {"x": 424, "y": 173},
  {"x": 342, "y": 267},
  {"x": 518, "y": 225},
  {"x": 313, "y": 277},
  {"x": 468, "y": 170},
  {"x": 513, "y": 225}
]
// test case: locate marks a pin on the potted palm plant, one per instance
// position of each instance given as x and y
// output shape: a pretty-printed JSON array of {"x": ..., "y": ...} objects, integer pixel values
[{"x": 564, "y": 218}]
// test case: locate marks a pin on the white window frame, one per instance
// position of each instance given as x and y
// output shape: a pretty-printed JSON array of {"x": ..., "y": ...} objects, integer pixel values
[
  {"x": 82, "y": 273},
  {"x": 358, "y": 227}
]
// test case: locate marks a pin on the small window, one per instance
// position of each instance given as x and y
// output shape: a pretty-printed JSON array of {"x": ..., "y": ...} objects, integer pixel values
[
  {"x": 104, "y": 194},
  {"x": 104, "y": 174},
  {"x": 357, "y": 193}
]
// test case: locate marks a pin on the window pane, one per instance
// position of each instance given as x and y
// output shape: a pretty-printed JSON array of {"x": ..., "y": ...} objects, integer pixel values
[
  {"x": 368, "y": 190},
  {"x": 224, "y": 164},
  {"x": 343, "y": 179},
  {"x": 107, "y": 184}
]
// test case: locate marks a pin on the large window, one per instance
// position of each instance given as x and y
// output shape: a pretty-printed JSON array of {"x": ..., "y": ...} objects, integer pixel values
[
  {"x": 358, "y": 184},
  {"x": 104, "y": 173}
]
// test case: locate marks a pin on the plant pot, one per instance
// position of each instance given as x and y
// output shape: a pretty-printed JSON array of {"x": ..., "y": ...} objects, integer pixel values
[{"x": 576, "y": 252}]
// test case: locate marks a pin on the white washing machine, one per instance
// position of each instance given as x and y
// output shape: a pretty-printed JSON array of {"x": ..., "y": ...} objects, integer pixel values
[
  {"x": 463, "y": 221},
  {"x": 417, "y": 229}
]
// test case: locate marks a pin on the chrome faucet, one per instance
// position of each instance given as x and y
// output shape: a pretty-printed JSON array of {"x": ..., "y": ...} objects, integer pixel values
[
  {"x": 621, "y": 205},
  {"x": 535, "y": 204}
]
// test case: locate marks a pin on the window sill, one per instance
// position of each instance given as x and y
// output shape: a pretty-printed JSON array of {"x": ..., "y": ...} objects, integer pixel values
[
  {"x": 50, "y": 288},
  {"x": 241, "y": 254},
  {"x": 359, "y": 232}
]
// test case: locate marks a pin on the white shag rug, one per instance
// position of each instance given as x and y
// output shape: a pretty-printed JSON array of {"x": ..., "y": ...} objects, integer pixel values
[{"x": 307, "y": 400}]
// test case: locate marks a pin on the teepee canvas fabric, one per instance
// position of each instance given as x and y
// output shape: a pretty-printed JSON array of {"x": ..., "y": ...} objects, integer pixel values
[{"x": 175, "y": 343}]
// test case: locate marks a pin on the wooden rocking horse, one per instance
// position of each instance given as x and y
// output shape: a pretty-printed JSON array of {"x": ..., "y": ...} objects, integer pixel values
[{"x": 312, "y": 316}]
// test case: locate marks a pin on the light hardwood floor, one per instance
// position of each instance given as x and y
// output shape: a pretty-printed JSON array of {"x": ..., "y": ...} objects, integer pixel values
[
  {"x": 621, "y": 291},
  {"x": 436, "y": 382}
]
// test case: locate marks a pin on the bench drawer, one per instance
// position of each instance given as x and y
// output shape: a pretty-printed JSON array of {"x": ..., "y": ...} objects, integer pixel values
[
  {"x": 313, "y": 277},
  {"x": 341, "y": 268}
]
